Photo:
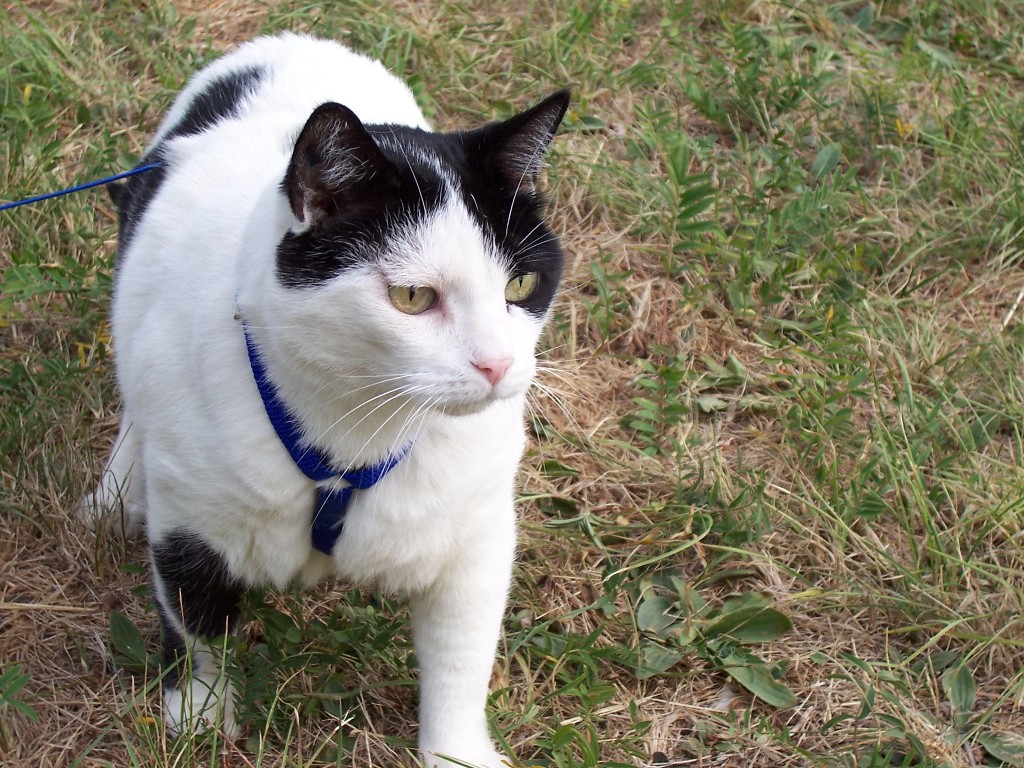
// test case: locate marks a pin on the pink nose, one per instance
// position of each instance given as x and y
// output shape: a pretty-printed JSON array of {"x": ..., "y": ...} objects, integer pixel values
[{"x": 493, "y": 368}]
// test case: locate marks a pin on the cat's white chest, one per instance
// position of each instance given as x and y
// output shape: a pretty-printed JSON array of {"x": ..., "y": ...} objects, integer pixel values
[
  {"x": 400, "y": 533},
  {"x": 430, "y": 509}
]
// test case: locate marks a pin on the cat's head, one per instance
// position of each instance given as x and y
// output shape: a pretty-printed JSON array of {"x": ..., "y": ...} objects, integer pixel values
[{"x": 421, "y": 259}]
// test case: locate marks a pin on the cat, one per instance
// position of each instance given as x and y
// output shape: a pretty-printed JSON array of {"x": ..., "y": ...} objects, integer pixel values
[{"x": 325, "y": 318}]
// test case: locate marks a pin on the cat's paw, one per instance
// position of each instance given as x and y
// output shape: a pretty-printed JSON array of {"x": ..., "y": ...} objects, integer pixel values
[
  {"x": 456, "y": 758},
  {"x": 194, "y": 706},
  {"x": 107, "y": 508}
]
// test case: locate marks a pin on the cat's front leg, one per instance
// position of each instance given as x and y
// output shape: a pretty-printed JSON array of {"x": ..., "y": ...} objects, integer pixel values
[
  {"x": 117, "y": 499},
  {"x": 197, "y": 598},
  {"x": 456, "y": 626}
]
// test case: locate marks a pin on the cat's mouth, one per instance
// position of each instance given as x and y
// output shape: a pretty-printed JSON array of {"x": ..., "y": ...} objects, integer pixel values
[
  {"x": 467, "y": 408},
  {"x": 474, "y": 406}
]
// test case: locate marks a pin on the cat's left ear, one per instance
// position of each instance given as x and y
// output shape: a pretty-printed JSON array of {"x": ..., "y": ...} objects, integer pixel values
[
  {"x": 522, "y": 140},
  {"x": 333, "y": 163}
]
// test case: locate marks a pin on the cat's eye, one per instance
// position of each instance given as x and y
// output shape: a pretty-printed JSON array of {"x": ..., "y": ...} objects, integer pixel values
[
  {"x": 412, "y": 299},
  {"x": 521, "y": 287}
]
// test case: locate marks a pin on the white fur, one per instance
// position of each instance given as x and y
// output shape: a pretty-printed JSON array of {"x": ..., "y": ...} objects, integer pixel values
[{"x": 362, "y": 377}]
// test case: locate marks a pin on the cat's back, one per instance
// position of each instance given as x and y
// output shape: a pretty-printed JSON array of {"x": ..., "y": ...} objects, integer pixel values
[
  {"x": 288, "y": 74},
  {"x": 228, "y": 135}
]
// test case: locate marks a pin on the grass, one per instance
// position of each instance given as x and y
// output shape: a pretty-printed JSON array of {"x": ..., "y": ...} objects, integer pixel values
[{"x": 772, "y": 512}]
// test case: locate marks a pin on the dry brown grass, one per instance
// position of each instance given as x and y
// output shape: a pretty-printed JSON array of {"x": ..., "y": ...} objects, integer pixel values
[{"x": 868, "y": 597}]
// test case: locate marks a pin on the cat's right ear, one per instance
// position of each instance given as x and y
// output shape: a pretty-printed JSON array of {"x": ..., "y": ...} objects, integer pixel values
[{"x": 333, "y": 158}]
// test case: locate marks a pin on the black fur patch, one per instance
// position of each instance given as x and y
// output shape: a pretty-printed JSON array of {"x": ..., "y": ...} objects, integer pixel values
[
  {"x": 173, "y": 650},
  {"x": 197, "y": 586},
  {"x": 218, "y": 101},
  {"x": 370, "y": 218},
  {"x": 133, "y": 197},
  {"x": 511, "y": 217}
]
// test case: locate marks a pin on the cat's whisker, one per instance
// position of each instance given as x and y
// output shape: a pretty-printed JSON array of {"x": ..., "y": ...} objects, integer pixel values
[
  {"x": 421, "y": 412},
  {"x": 535, "y": 417},
  {"x": 528, "y": 235},
  {"x": 528, "y": 167},
  {"x": 403, "y": 430},
  {"x": 525, "y": 248},
  {"x": 389, "y": 396},
  {"x": 386, "y": 397},
  {"x": 563, "y": 377},
  {"x": 369, "y": 440},
  {"x": 312, "y": 400},
  {"x": 525, "y": 239},
  {"x": 354, "y": 461},
  {"x": 555, "y": 394},
  {"x": 392, "y": 391},
  {"x": 526, "y": 244},
  {"x": 278, "y": 327},
  {"x": 544, "y": 352},
  {"x": 555, "y": 397},
  {"x": 347, "y": 393},
  {"x": 419, "y": 190},
  {"x": 384, "y": 377},
  {"x": 406, "y": 429},
  {"x": 552, "y": 348}
]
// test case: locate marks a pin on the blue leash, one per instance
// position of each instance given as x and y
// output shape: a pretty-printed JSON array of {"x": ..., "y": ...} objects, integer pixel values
[{"x": 80, "y": 187}]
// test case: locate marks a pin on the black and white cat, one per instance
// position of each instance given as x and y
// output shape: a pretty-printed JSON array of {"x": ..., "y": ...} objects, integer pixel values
[{"x": 313, "y": 297}]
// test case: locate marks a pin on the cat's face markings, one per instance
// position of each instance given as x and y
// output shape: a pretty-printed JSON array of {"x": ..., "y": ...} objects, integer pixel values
[
  {"x": 350, "y": 194},
  {"x": 352, "y": 188},
  {"x": 499, "y": 184},
  {"x": 430, "y": 246}
]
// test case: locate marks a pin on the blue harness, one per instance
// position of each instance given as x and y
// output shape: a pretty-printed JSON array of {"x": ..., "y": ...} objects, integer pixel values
[{"x": 331, "y": 502}]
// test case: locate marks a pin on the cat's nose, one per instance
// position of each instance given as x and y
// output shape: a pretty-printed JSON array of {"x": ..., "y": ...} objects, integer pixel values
[{"x": 493, "y": 368}]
